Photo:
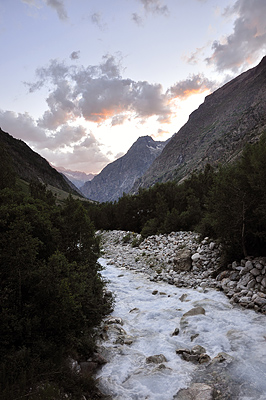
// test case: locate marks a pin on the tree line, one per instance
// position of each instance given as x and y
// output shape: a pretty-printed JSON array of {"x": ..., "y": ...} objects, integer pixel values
[
  {"x": 51, "y": 292},
  {"x": 227, "y": 203}
]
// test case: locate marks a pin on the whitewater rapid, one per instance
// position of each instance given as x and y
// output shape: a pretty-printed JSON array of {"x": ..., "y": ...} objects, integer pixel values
[{"x": 151, "y": 312}]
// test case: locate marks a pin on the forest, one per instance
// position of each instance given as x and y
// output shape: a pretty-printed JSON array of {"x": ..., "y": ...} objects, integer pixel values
[
  {"x": 227, "y": 203},
  {"x": 51, "y": 292}
]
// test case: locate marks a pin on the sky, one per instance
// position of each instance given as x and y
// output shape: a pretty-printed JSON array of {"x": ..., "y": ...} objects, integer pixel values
[{"x": 81, "y": 80}]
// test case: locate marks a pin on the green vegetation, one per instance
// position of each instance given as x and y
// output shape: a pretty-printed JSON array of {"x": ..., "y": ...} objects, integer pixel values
[
  {"x": 227, "y": 203},
  {"x": 51, "y": 293}
]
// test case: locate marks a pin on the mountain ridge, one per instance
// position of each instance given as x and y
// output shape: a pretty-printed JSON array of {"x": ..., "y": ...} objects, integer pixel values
[
  {"x": 216, "y": 132},
  {"x": 119, "y": 176}
]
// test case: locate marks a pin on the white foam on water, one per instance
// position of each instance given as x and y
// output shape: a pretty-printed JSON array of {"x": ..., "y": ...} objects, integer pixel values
[{"x": 151, "y": 319}]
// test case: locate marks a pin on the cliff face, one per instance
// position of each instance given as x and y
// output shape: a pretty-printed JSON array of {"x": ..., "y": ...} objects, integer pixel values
[
  {"x": 119, "y": 176},
  {"x": 217, "y": 131}
]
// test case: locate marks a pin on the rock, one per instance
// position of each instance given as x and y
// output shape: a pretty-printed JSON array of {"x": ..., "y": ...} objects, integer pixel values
[
  {"x": 263, "y": 282},
  {"x": 194, "y": 311},
  {"x": 255, "y": 271},
  {"x": 183, "y": 297},
  {"x": 156, "y": 359},
  {"x": 196, "y": 257},
  {"x": 114, "y": 321},
  {"x": 87, "y": 368},
  {"x": 176, "y": 332},
  {"x": 197, "y": 391},
  {"x": 204, "y": 358},
  {"x": 124, "y": 339},
  {"x": 222, "y": 357},
  {"x": 198, "y": 350},
  {"x": 99, "y": 359},
  {"x": 182, "y": 261}
]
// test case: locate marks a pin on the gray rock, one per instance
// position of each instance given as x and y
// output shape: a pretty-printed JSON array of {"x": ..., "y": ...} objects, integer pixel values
[
  {"x": 194, "y": 311},
  {"x": 197, "y": 391},
  {"x": 255, "y": 271},
  {"x": 156, "y": 359},
  {"x": 182, "y": 261}
]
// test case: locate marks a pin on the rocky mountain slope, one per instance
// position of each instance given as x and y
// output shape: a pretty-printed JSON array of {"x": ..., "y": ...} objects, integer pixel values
[
  {"x": 217, "y": 131},
  {"x": 29, "y": 165},
  {"x": 119, "y": 176}
]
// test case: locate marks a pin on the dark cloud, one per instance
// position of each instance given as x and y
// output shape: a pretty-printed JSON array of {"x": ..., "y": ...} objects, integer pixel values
[
  {"x": 97, "y": 93},
  {"x": 192, "y": 85},
  {"x": 247, "y": 43},
  {"x": 75, "y": 55}
]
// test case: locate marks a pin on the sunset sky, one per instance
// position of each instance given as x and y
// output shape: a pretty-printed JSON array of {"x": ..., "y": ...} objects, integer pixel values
[{"x": 81, "y": 80}]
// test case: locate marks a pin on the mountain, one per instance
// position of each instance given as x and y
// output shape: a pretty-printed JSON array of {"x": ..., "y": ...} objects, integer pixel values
[
  {"x": 217, "y": 131},
  {"x": 119, "y": 176},
  {"x": 78, "y": 178},
  {"x": 31, "y": 166}
]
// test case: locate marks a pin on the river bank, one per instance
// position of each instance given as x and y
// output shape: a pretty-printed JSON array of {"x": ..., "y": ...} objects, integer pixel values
[{"x": 182, "y": 260}]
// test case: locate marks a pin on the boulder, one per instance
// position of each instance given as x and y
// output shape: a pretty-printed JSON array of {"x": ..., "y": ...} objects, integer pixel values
[
  {"x": 182, "y": 260},
  {"x": 156, "y": 359},
  {"x": 194, "y": 311},
  {"x": 197, "y": 391}
]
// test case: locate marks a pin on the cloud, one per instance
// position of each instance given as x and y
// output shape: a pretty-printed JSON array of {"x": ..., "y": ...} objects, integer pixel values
[
  {"x": 75, "y": 55},
  {"x": 194, "y": 84},
  {"x": 97, "y": 93},
  {"x": 155, "y": 7},
  {"x": 22, "y": 126},
  {"x": 161, "y": 133},
  {"x": 96, "y": 19},
  {"x": 119, "y": 119},
  {"x": 82, "y": 157},
  {"x": 137, "y": 19},
  {"x": 57, "y": 5},
  {"x": 247, "y": 42},
  {"x": 195, "y": 56},
  {"x": 69, "y": 146}
]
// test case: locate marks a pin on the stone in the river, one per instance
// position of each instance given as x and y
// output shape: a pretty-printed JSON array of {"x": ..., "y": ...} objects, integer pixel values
[
  {"x": 176, "y": 332},
  {"x": 198, "y": 349},
  {"x": 194, "y": 311},
  {"x": 183, "y": 297},
  {"x": 197, "y": 391},
  {"x": 156, "y": 359}
]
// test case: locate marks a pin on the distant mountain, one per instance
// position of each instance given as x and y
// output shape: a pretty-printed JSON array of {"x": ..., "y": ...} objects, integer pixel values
[
  {"x": 119, "y": 176},
  {"x": 78, "y": 178},
  {"x": 217, "y": 131},
  {"x": 29, "y": 165}
]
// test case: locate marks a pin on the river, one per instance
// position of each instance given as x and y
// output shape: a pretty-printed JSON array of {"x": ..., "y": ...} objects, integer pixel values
[{"x": 151, "y": 312}]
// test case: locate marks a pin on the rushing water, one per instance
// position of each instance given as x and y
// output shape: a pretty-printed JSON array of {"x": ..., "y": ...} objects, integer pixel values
[{"x": 150, "y": 319}]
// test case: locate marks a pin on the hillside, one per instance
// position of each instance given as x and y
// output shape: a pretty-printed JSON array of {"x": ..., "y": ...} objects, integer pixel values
[
  {"x": 119, "y": 176},
  {"x": 29, "y": 165},
  {"x": 217, "y": 131}
]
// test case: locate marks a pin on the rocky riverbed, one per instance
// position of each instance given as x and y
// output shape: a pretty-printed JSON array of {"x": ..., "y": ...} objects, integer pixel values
[
  {"x": 181, "y": 259},
  {"x": 181, "y": 329}
]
